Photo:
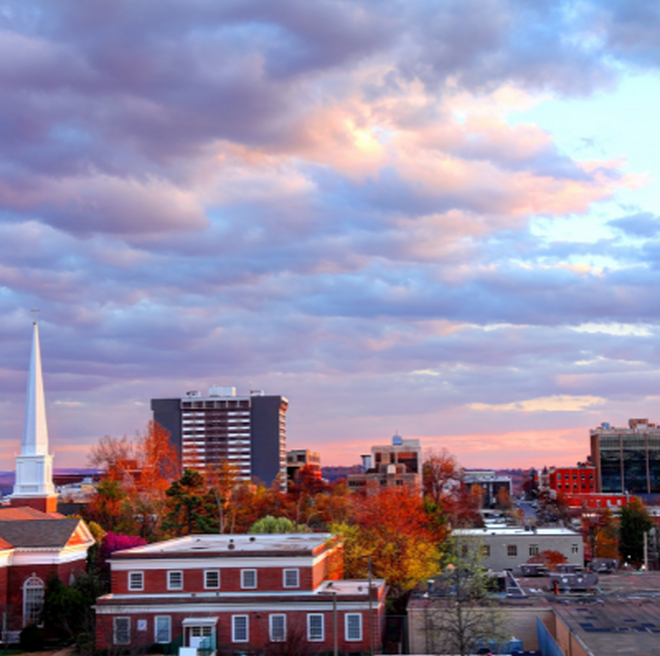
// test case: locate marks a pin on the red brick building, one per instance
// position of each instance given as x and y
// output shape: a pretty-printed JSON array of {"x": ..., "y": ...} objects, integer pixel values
[
  {"x": 33, "y": 545},
  {"x": 570, "y": 480},
  {"x": 240, "y": 593}
]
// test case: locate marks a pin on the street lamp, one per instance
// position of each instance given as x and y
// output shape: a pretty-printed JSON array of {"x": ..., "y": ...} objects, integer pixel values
[{"x": 371, "y": 616}]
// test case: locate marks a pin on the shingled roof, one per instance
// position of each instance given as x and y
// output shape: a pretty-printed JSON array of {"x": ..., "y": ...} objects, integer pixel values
[
  {"x": 19, "y": 513},
  {"x": 35, "y": 533}
]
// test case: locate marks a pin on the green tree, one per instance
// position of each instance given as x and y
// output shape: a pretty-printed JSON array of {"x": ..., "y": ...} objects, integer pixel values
[
  {"x": 191, "y": 508},
  {"x": 270, "y": 524},
  {"x": 634, "y": 521}
]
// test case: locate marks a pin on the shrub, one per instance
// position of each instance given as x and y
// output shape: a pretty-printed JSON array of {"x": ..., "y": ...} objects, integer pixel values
[{"x": 31, "y": 638}]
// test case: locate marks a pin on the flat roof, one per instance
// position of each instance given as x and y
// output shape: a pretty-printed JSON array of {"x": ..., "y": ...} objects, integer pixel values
[
  {"x": 515, "y": 531},
  {"x": 243, "y": 543}
]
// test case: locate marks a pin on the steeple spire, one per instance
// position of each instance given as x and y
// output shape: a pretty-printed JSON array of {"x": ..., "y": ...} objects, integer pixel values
[
  {"x": 35, "y": 429},
  {"x": 34, "y": 467}
]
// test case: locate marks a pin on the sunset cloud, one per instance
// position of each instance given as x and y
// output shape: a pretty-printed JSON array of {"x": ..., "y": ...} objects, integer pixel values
[{"x": 348, "y": 203}]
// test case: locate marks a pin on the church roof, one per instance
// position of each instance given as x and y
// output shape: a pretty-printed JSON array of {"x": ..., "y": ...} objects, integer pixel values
[
  {"x": 19, "y": 513},
  {"x": 39, "y": 533}
]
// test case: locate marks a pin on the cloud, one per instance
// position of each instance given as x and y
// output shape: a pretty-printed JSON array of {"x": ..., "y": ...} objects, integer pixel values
[
  {"x": 328, "y": 201},
  {"x": 642, "y": 224}
]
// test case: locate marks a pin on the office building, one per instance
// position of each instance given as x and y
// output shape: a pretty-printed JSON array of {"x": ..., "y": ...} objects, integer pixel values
[
  {"x": 627, "y": 460},
  {"x": 391, "y": 465},
  {"x": 495, "y": 487},
  {"x": 298, "y": 459},
  {"x": 247, "y": 431},
  {"x": 508, "y": 547}
]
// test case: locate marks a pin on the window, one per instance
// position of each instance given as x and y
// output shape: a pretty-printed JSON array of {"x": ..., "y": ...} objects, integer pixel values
[
  {"x": 212, "y": 579},
  {"x": 277, "y": 628},
  {"x": 122, "y": 630},
  {"x": 135, "y": 581},
  {"x": 33, "y": 600},
  {"x": 574, "y": 549},
  {"x": 353, "y": 626},
  {"x": 239, "y": 628},
  {"x": 175, "y": 580},
  {"x": 559, "y": 477},
  {"x": 163, "y": 629},
  {"x": 512, "y": 550},
  {"x": 291, "y": 578},
  {"x": 315, "y": 631},
  {"x": 248, "y": 578},
  {"x": 533, "y": 549}
]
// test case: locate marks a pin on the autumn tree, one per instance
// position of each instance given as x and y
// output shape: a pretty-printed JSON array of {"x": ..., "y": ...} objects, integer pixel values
[
  {"x": 138, "y": 470},
  {"x": 222, "y": 479},
  {"x": 392, "y": 528},
  {"x": 441, "y": 475},
  {"x": 549, "y": 558},
  {"x": 599, "y": 532},
  {"x": 634, "y": 522}
]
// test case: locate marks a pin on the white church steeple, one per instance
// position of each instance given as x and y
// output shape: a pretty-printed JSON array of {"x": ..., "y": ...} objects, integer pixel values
[{"x": 34, "y": 467}]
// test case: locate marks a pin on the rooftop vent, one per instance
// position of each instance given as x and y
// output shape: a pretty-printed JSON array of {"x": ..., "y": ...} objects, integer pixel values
[{"x": 231, "y": 546}]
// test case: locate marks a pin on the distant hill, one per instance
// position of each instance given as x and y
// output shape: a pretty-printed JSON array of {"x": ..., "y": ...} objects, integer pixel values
[{"x": 332, "y": 473}]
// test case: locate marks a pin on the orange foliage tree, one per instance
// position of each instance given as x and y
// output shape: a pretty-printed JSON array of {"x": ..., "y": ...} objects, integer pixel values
[
  {"x": 549, "y": 558},
  {"x": 402, "y": 540},
  {"x": 143, "y": 469}
]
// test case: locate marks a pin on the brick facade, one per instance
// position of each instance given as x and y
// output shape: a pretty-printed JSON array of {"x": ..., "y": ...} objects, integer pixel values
[
  {"x": 237, "y": 590},
  {"x": 33, "y": 546}
]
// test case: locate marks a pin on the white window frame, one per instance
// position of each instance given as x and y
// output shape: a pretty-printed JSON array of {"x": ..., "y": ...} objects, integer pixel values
[
  {"x": 272, "y": 631},
  {"x": 206, "y": 580},
  {"x": 347, "y": 626},
  {"x": 234, "y": 631},
  {"x": 244, "y": 573},
  {"x": 533, "y": 549},
  {"x": 134, "y": 587},
  {"x": 34, "y": 593},
  {"x": 168, "y": 619},
  {"x": 293, "y": 572},
  {"x": 320, "y": 637},
  {"x": 173, "y": 574},
  {"x": 128, "y": 630}
]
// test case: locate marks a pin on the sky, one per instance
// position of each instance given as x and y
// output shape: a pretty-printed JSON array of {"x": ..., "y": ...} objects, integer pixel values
[{"x": 437, "y": 219}]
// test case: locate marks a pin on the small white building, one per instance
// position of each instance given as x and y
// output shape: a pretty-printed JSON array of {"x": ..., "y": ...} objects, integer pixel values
[{"x": 508, "y": 547}]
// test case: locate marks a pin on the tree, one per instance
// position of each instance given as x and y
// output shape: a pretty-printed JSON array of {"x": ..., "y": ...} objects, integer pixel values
[
  {"x": 441, "y": 475},
  {"x": 131, "y": 497},
  {"x": 462, "y": 618},
  {"x": 222, "y": 479},
  {"x": 190, "y": 506},
  {"x": 634, "y": 521},
  {"x": 403, "y": 541},
  {"x": 599, "y": 533},
  {"x": 270, "y": 524},
  {"x": 549, "y": 558}
]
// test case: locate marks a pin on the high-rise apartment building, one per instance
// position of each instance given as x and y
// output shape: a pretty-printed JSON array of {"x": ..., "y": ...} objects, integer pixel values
[
  {"x": 247, "y": 431},
  {"x": 627, "y": 460}
]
